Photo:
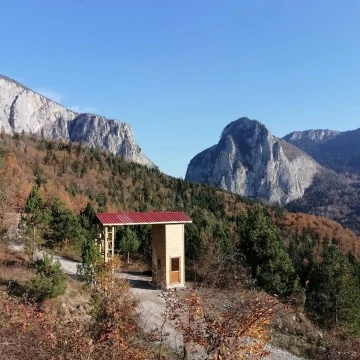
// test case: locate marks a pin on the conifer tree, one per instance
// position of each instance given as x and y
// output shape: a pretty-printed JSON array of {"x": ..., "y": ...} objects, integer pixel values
[
  {"x": 333, "y": 293},
  {"x": 265, "y": 252},
  {"x": 64, "y": 225},
  {"x": 90, "y": 255},
  {"x": 37, "y": 218},
  {"x": 129, "y": 242}
]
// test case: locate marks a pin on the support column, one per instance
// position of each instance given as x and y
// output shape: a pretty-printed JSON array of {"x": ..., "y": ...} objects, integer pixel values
[
  {"x": 106, "y": 250},
  {"x": 109, "y": 243},
  {"x": 112, "y": 241},
  {"x": 100, "y": 240}
]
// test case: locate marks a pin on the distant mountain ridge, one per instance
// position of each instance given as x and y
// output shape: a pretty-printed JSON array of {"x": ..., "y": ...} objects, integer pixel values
[
  {"x": 24, "y": 110},
  {"x": 339, "y": 151},
  {"x": 318, "y": 136},
  {"x": 248, "y": 160}
]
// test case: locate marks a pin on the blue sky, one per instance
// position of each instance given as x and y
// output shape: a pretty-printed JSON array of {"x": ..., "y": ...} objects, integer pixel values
[{"x": 179, "y": 71}]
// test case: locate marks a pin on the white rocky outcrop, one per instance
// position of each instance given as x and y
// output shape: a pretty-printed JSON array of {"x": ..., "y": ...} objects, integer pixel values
[
  {"x": 23, "y": 110},
  {"x": 317, "y": 136},
  {"x": 248, "y": 160}
]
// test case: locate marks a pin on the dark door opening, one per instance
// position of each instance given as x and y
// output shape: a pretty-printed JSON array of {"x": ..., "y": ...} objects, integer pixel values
[{"x": 175, "y": 270}]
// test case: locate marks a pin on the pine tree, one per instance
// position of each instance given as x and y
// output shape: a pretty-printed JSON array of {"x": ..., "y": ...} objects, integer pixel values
[
  {"x": 37, "y": 218},
  {"x": 333, "y": 293},
  {"x": 265, "y": 252},
  {"x": 35, "y": 201},
  {"x": 64, "y": 225},
  {"x": 49, "y": 281},
  {"x": 129, "y": 242},
  {"x": 90, "y": 255}
]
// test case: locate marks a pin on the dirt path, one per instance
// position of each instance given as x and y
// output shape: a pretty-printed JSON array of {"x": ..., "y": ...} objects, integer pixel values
[
  {"x": 151, "y": 309},
  {"x": 152, "y": 306}
]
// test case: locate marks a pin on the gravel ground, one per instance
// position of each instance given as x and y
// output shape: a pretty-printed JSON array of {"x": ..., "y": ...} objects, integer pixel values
[
  {"x": 69, "y": 266},
  {"x": 152, "y": 306}
]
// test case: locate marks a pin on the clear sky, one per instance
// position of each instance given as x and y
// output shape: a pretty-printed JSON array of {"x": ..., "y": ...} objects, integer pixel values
[{"x": 179, "y": 71}]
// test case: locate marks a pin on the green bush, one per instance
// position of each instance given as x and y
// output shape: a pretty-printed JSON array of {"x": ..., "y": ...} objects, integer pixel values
[{"x": 49, "y": 281}]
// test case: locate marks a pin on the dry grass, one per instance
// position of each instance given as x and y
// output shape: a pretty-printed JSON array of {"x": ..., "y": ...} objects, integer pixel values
[
  {"x": 14, "y": 270},
  {"x": 136, "y": 264},
  {"x": 61, "y": 328}
]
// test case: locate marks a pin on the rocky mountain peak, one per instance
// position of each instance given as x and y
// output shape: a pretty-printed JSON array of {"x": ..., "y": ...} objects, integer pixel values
[
  {"x": 244, "y": 125},
  {"x": 24, "y": 110},
  {"x": 250, "y": 161},
  {"x": 317, "y": 136}
]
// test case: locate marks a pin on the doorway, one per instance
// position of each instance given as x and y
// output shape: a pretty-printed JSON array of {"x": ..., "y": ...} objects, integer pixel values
[{"x": 175, "y": 270}]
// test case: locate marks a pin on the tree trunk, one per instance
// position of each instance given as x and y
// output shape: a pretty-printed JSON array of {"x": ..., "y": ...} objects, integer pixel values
[
  {"x": 128, "y": 257},
  {"x": 34, "y": 242}
]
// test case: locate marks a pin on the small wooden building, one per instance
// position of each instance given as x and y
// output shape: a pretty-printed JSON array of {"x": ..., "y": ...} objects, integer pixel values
[{"x": 168, "y": 241}]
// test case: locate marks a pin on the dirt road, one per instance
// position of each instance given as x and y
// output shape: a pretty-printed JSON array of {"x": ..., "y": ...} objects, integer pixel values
[{"x": 152, "y": 306}]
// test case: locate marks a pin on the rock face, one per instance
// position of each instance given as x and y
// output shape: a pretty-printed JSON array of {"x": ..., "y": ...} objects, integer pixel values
[
  {"x": 318, "y": 136},
  {"x": 22, "y": 109},
  {"x": 248, "y": 160},
  {"x": 340, "y": 151}
]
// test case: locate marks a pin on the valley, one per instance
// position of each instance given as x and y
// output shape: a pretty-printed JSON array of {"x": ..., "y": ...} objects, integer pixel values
[{"x": 262, "y": 226}]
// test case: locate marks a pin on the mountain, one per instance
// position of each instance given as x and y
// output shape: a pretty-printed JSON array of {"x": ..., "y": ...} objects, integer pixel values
[
  {"x": 24, "y": 110},
  {"x": 339, "y": 151},
  {"x": 248, "y": 160},
  {"x": 336, "y": 196},
  {"x": 309, "y": 137}
]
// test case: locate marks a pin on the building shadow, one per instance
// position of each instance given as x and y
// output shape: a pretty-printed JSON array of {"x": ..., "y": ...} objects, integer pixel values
[
  {"x": 138, "y": 280},
  {"x": 141, "y": 284}
]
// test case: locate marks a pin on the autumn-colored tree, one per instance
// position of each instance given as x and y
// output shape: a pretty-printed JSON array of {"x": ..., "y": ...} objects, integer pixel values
[
  {"x": 221, "y": 327},
  {"x": 13, "y": 187},
  {"x": 115, "y": 314}
]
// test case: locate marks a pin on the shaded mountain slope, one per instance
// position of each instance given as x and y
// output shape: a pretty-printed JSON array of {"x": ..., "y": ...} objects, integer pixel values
[{"x": 339, "y": 151}]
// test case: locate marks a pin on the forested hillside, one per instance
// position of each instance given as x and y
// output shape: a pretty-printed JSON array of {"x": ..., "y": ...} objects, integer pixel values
[
  {"x": 335, "y": 196},
  {"x": 59, "y": 186},
  {"x": 77, "y": 175}
]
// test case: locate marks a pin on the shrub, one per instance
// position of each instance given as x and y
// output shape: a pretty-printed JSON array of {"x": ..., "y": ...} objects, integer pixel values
[{"x": 49, "y": 282}]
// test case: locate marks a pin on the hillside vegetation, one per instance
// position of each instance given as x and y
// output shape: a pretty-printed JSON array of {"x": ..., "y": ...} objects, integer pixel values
[
  {"x": 335, "y": 195},
  {"x": 76, "y": 175},
  {"x": 308, "y": 260}
]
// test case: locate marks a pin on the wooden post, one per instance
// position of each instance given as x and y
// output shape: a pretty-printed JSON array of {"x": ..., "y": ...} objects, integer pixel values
[
  {"x": 106, "y": 245},
  {"x": 112, "y": 240}
]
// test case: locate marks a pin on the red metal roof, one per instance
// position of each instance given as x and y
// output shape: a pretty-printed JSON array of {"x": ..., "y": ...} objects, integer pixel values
[{"x": 138, "y": 218}]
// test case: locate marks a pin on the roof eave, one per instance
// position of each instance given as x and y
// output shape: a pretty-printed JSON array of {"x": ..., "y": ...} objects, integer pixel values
[{"x": 147, "y": 223}]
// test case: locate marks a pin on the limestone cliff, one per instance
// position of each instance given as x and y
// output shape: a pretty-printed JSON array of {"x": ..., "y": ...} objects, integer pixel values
[
  {"x": 22, "y": 109},
  {"x": 318, "y": 136},
  {"x": 248, "y": 160}
]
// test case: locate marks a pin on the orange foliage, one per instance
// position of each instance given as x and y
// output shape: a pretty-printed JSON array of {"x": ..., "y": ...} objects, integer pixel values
[
  {"x": 14, "y": 188},
  {"x": 224, "y": 328},
  {"x": 321, "y": 228},
  {"x": 50, "y": 190},
  {"x": 27, "y": 332}
]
